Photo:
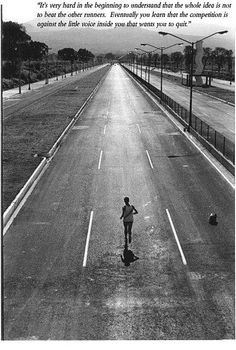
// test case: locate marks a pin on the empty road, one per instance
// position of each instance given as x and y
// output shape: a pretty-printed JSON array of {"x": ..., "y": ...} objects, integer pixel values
[
  {"x": 63, "y": 275},
  {"x": 219, "y": 115}
]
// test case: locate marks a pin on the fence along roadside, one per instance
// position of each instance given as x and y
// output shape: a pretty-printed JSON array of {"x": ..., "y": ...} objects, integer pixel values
[{"x": 221, "y": 147}]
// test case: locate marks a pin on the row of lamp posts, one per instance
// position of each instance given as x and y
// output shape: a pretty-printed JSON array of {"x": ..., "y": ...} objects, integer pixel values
[
  {"x": 191, "y": 64},
  {"x": 19, "y": 43}
]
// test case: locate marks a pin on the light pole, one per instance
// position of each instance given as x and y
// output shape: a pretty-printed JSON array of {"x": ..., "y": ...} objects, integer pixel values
[
  {"x": 162, "y": 49},
  {"x": 191, "y": 66},
  {"x": 48, "y": 48},
  {"x": 19, "y": 56},
  {"x": 149, "y": 59},
  {"x": 132, "y": 58},
  {"x": 29, "y": 74},
  {"x": 18, "y": 48},
  {"x": 141, "y": 61}
]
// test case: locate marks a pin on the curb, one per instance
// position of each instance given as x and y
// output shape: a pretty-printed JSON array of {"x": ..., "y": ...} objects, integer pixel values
[
  {"x": 46, "y": 158},
  {"x": 14, "y": 204}
]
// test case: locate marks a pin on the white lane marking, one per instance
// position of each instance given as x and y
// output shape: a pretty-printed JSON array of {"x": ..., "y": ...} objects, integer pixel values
[
  {"x": 176, "y": 238},
  {"x": 100, "y": 160},
  {"x": 138, "y": 128},
  {"x": 105, "y": 127},
  {"x": 87, "y": 240},
  {"x": 149, "y": 158}
]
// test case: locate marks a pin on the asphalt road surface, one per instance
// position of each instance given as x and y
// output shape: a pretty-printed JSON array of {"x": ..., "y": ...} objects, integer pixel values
[
  {"x": 64, "y": 278},
  {"x": 219, "y": 115}
]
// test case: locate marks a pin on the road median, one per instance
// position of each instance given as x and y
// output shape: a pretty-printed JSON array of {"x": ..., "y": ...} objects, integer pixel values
[{"x": 27, "y": 137}]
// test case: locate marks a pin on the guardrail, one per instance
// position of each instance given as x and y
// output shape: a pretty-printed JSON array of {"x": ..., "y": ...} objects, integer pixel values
[{"x": 221, "y": 144}]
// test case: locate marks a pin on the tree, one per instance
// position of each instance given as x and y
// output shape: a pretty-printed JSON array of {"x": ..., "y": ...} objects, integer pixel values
[
  {"x": 155, "y": 57},
  {"x": 34, "y": 50},
  {"x": 100, "y": 58},
  {"x": 37, "y": 50},
  {"x": 67, "y": 54},
  {"x": 229, "y": 60},
  {"x": 109, "y": 56},
  {"x": 188, "y": 56},
  {"x": 220, "y": 57},
  {"x": 177, "y": 58},
  {"x": 165, "y": 59},
  {"x": 85, "y": 55},
  {"x": 207, "y": 52},
  {"x": 13, "y": 35}
]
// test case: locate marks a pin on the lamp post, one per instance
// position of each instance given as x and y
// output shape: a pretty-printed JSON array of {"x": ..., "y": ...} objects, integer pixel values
[
  {"x": 132, "y": 58},
  {"x": 162, "y": 49},
  {"x": 46, "y": 80},
  {"x": 19, "y": 56},
  {"x": 141, "y": 61},
  {"x": 18, "y": 48},
  {"x": 149, "y": 60},
  {"x": 29, "y": 74},
  {"x": 56, "y": 68},
  {"x": 191, "y": 66}
]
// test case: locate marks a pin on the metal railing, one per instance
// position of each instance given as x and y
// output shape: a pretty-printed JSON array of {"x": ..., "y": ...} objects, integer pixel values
[{"x": 216, "y": 139}]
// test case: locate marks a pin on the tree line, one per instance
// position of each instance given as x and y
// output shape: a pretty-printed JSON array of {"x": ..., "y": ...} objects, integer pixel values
[
  {"x": 17, "y": 46},
  {"x": 214, "y": 60},
  {"x": 16, "y": 43}
]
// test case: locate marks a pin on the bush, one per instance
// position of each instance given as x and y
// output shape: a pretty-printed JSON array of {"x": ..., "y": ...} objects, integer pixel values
[{"x": 9, "y": 69}]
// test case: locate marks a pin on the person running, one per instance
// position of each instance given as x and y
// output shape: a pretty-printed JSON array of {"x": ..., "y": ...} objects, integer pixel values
[{"x": 127, "y": 214}]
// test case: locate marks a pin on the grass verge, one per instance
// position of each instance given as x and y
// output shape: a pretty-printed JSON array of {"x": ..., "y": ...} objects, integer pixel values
[
  {"x": 223, "y": 94},
  {"x": 34, "y": 129}
]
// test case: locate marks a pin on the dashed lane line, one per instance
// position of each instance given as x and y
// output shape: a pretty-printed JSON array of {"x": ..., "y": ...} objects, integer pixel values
[
  {"x": 138, "y": 128},
  {"x": 176, "y": 238},
  {"x": 149, "y": 158},
  {"x": 87, "y": 240},
  {"x": 100, "y": 160}
]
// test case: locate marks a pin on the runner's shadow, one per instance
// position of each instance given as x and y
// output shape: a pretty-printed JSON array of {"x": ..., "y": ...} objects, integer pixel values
[{"x": 128, "y": 256}]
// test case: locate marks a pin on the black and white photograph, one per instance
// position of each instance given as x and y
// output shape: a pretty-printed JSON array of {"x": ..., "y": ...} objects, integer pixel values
[{"x": 117, "y": 173}]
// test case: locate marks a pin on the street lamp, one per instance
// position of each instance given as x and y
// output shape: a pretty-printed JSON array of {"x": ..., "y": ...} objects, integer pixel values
[
  {"x": 141, "y": 61},
  {"x": 191, "y": 66},
  {"x": 132, "y": 59},
  {"x": 47, "y": 49},
  {"x": 162, "y": 49},
  {"x": 149, "y": 60},
  {"x": 29, "y": 73},
  {"x": 18, "y": 48}
]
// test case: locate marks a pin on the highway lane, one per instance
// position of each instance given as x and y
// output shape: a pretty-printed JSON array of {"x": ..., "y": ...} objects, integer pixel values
[
  {"x": 123, "y": 144},
  {"x": 219, "y": 115}
]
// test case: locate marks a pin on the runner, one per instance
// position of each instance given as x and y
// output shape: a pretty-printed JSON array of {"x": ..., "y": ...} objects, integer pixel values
[{"x": 127, "y": 214}]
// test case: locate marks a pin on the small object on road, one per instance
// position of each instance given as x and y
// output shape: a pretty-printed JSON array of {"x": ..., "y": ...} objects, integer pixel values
[{"x": 213, "y": 219}]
